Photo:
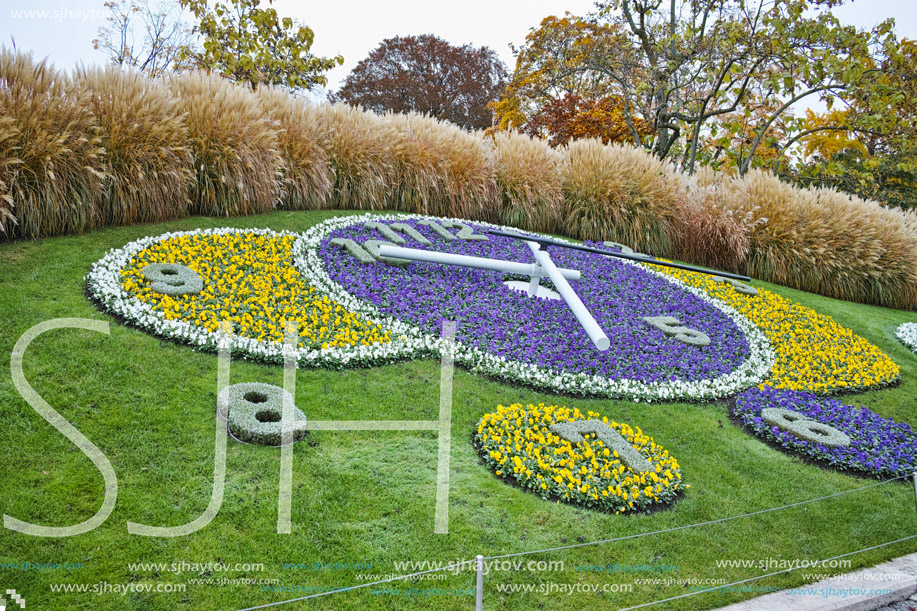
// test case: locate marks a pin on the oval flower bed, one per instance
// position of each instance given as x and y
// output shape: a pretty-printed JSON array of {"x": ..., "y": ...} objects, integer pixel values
[
  {"x": 878, "y": 446},
  {"x": 907, "y": 333},
  {"x": 244, "y": 276},
  {"x": 519, "y": 445},
  {"x": 538, "y": 341},
  {"x": 813, "y": 352}
]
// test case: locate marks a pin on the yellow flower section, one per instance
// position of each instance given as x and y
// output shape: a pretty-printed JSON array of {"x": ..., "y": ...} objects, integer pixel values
[
  {"x": 814, "y": 353},
  {"x": 250, "y": 280},
  {"x": 518, "y": 444}
]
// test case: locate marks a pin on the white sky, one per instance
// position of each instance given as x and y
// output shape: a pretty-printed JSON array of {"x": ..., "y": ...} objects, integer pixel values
[{"x": 352, "y": 28}]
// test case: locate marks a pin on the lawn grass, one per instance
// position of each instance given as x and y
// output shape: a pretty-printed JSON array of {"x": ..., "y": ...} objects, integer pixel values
[{"x": 368, "y": 497}]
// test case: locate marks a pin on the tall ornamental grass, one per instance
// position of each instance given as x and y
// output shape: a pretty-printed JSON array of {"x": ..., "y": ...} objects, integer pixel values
[
  {"x": 142, "y": 130},
  {"x": 237, "y": 162},
  {"x": 826, "y": 242},
  {"x": 528, "y": 179},
  {"x": 307, "y": 176},
  {"x": 52, "y": 168},
  {"x": 711, "y": 231},
  {"x": 438, "y": 168},
  {"x": 619, "y": 193},
  {"x": 8, "y": 137}
]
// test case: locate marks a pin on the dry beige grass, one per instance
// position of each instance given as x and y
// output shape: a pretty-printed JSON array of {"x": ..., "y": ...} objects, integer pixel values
[
  {"x": 439, "y": 169},
  {"x": 361, "y": 169},
  {"x": 710, "y": 231},
  {"x": 53, "y": 181},
  {"x": 236, "y": 158},
  {"x": 528, "y": 182},
  {"x": 142, "y": 129},
  {"x": 823, "y": 241},
  {"x": 307, "y": 175},
  {"x": 619, "y": 193},
  {"x": 8, "y": 161}
]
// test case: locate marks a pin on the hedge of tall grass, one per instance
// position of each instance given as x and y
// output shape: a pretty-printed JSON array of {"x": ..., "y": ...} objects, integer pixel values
[
  {"x": 142, "y": 130},
  {"x": 234, "y": 146},
  {"x": 528, "y": 182},
  {"x": 307, "y": 177},
  {"x": 621, "y": 194},
  {"x": 112, "y": 147},
  {"x": 52, "y": 167}
]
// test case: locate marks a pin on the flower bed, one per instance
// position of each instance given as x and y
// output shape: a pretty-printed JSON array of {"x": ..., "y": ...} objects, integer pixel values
[
  {"x": 813, "y": 352},
  {"x": 518, "y": 443},
  {"x": 537, "y": 341},
  {"x": 248, "y": 278},
  {"x": 878, "y": 446},
  {"x": 907, "y": 333}
]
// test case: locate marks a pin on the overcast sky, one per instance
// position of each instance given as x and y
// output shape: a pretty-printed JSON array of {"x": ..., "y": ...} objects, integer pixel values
[{"x": 63, "y": 30}]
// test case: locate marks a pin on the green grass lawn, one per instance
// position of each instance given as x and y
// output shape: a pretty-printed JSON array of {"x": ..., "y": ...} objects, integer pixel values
[{"x": 368, "y": 497}]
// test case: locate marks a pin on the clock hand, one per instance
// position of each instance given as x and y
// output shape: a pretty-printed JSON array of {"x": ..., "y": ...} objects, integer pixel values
[
  {"x": 592, "y": 328},
  {"x": 643, "y": 259},
  {"x": 447, "y": 258},
  {"x": 543, "y": 266}
]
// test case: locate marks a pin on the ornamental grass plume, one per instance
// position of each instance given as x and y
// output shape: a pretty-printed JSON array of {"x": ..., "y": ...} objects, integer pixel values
[
  {"x": 619, "y": 193},
  {"x": 143, "y": 132},
  {"x": 237, "y": 163},
  {"x": 361, "y": 167},
  {"x": 709, "y": 231},
  {"x": 529, "y": 193},
  {"x": 439, "y": 168},
  {"x": 53, "y": 182},
  {"x": 830, "y": 243},
  {"x": 307, "y": 176},
  {"x": 8, "y": 161}
]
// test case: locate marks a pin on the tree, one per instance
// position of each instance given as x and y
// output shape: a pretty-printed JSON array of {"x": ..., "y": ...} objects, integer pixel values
[
  {"x": 683, "y": 64},
  {"x": 144, "y": 36},
  {"x": 573, "y": 116},
  {"x": 427, "y": 74},
  {"x": 246, "y": 43}
]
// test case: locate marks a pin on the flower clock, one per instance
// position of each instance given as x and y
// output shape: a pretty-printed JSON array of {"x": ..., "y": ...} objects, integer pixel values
[{"x": 369, "y": 289}]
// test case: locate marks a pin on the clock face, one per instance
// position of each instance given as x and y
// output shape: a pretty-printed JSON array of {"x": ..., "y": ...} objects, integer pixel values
[
  {"x": 505, "y": 332},
  {"x": 674, "y": 335}
]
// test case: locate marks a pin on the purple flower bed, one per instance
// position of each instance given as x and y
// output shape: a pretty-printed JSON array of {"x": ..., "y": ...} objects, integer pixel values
[
  {"x": 545, "y": 333},
  {"x": 879, "y": 446}
]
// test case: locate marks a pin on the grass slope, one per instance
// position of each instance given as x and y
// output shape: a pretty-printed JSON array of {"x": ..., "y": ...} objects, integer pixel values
[{"x": 363, "y": 497}]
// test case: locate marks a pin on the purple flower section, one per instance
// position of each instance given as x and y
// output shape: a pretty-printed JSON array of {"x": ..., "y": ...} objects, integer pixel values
[
  {"x": 542, "y": 332},
  {"x": 879, "y": 446}
]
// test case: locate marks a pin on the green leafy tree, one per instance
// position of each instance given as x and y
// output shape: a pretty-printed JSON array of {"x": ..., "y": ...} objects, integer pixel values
[
  {"x": 246, "y": 43},
  {"x": 687, "y": 66}
]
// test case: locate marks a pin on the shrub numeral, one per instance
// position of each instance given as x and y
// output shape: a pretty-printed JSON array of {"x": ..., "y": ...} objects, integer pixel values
[
  {"x": 466, "y": 233},
  {"x": 354, "y": 249},
  {"x": 737, "y": 286},
  {"x": 673, "y": 327},
  {"x": 575, "y": 432},
  {"x": 442, "y": 231},
  {"x": 805, "y": 428},
  {"x": 411, "y": 233}
]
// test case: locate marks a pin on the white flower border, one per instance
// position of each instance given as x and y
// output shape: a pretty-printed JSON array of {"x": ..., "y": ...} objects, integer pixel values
[
  {"x": 414, "y": 342},
  {"x": 104, "y": 284},
  {"x": 907, "y": 333}
]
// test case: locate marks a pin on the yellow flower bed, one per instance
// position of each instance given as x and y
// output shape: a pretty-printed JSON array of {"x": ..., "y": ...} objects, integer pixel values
[
  {"x": 814, "y": 353},
  {"x": 250, "y": 280},
  {"x": 518, "y": 444}
]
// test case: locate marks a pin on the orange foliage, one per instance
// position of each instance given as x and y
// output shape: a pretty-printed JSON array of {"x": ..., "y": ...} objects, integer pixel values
[{"x": 573, "y": 117}]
